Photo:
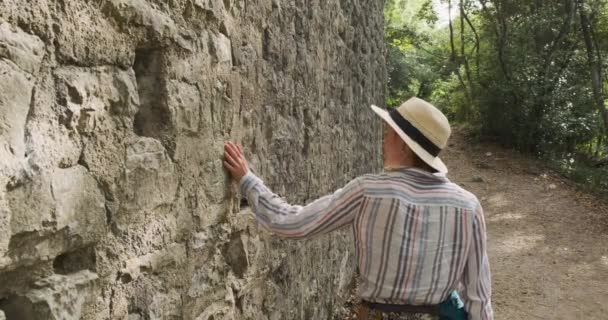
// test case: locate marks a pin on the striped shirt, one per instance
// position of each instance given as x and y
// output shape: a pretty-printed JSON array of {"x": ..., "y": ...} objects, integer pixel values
[{"x": 418, "y": 236}]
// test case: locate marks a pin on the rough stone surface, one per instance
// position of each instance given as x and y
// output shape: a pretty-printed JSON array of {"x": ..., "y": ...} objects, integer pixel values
[
  {"x": 58, "y": 297},
  {"x": 113, "y": 116}
]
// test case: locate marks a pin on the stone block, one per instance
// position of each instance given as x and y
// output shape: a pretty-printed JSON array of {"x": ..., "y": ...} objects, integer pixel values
[
  {"x": 31, "y": 206},
  {"x": 21, "y": 48},
  {"x": 98, "y": 105},
  {"x": 79, "y": 204},
  {"x": 141, "y": 13},
  {"x": 213, "y": 7},
  {"x": 16, "y": 87},
  {"x": 155, "y": 262},
  {"x": 185, "y": 104},
  {"x": 166, "y": 306},
  {"x": 221, "y": 49},
  {"x": 151, "y": 178},
  {"x": 92, "y": 96},
  {"x": 50, "y": 215},
  {"x": 48, "y": 142},
  {"x": 83, "y": 36},
  {"x": 217, "y": 311},
  {"x": 192, "y": 68},
  {"x": 58, "y": 297}
]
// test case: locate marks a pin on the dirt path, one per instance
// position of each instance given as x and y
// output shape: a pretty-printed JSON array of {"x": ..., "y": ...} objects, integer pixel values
[{"x": 548, "y": 241}]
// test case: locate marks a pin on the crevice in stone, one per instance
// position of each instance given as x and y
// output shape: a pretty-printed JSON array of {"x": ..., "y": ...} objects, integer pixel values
[
  {"x": 238, "y": 302},
  {"x": 355, "y": 46},
  {"x": 266, "y": 45},
  {"x": 17, "y": 308},
  {"x": 201, "y": 118},
  {"x": 111, "y": 304},
  {"x": 211, "y": 18},
  {"x": 145, "y": 269},
  {"x": 342, "y": 35},
  {"x": 137, "y": 311},
  {"x": 188, "y": 12},
  {"x": 125, "y": 277},
  {"x": 280, "y": 275},
  {"x": 81, "y": 161},
  {"x": 235, "y": 255},
  {"x": 306, "y": 145},
  {"x": 153, "y": 119},
  {"x": 308, "y": 125},
  {"x": 74, "y": 261},
  {"x": 224, "y": 30},
  {"x": 74, "y": 95},
  {"x": 212, "y": 111},
  {"x": 32, "y": 239},
  {"x": 29, "y": 117},
  {"x": 115, "y": 230},
  {"x": 18, "y": 180},
  {"x": 109, "y": 214},
  {"x": 110, "y": 203},
  {"x": 23, "y": 239}
]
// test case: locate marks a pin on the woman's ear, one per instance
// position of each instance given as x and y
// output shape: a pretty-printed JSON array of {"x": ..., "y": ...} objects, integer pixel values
[{"x": 405, "y": 149}]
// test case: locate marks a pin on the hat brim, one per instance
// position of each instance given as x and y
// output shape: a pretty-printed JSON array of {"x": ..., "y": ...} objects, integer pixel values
[{"x": 435, "y": 162}]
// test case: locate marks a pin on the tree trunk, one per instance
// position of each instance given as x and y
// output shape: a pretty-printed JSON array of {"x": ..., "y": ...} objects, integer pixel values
[
  {"x": 500, "y": 30},
  {"x": 452, "y": 46},
  {"x": 463, "y": 53},
  {"x": 595, "y": 65},
  {"x": 456, "y": 61},
  {"x": 477, "y": 42},
  {"x": 565, "y": 29}
]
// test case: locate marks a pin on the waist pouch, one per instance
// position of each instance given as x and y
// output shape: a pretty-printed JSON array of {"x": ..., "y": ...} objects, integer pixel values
[{"x": 452, "y": 308}]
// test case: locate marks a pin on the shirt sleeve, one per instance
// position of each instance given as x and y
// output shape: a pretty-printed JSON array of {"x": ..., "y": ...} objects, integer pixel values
[
  {"x": 292, "y": 221},
  {"x": 477, "y": 279}
]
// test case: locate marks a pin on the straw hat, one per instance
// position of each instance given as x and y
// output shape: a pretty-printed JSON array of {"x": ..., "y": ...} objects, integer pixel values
[{"x": 423, "y": 127}]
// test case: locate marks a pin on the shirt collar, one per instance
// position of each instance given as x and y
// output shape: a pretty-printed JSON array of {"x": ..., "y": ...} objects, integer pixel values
[{"x": 423, "y": 173}]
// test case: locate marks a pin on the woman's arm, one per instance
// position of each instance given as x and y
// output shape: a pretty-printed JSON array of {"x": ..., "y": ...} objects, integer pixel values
[{"x": 291, "y": 221}]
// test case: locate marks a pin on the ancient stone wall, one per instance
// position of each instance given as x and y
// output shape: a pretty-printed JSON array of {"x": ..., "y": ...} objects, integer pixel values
[{"x": 113, "y": 115}]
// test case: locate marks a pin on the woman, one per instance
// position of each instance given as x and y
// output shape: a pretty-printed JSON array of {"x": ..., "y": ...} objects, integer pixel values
[{"x": 418, "y": 236}]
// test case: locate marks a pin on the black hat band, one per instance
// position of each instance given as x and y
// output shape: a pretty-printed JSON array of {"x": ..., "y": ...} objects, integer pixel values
[{"x": 414, "y": 133}]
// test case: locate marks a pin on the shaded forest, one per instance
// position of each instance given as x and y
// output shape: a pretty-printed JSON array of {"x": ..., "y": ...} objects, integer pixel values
[{"x": 530, "y": 74}]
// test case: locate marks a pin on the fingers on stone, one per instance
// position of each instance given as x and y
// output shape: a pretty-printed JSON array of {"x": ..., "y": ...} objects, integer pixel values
[
  {"x": 232, "y": 151},
  {"x": 231, "y": 159},
  {"x": 228, "y": 166}
]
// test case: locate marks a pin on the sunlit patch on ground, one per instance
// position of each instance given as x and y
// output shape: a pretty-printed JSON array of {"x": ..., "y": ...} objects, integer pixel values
[
  {"x": 520, "y": 242},
  {"x": 497, "y": 201},
  {"x": 506, "y": 216},
  {"x": 578, "y": 271}
]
